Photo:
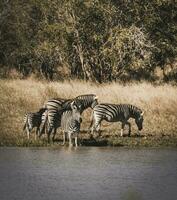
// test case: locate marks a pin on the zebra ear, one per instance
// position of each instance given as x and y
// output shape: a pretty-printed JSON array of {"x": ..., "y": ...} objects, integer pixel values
[
  {"x": 142, "y": 113},
  {"x": 96, "y": 97},
  {"x": 73, "y": 106}
]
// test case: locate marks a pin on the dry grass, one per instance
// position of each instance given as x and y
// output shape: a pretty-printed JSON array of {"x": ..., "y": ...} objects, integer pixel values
[{"x": 20, "y": 96}]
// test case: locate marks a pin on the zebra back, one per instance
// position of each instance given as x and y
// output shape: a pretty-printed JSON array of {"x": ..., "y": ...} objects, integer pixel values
[
  {"x": 113, "y": 112},
  {"x": 54, "y": 103}
]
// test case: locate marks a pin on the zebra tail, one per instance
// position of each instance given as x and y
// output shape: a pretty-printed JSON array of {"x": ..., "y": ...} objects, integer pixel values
[{"x": 25, "y": 125}]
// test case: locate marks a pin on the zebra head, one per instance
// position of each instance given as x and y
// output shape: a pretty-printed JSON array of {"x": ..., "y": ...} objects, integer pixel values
[
  {"x": 139, "y": 121},
  {"x": 76, "y": 107}
]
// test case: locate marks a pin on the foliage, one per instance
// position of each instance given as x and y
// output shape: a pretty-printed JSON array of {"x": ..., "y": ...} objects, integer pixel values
[{"x": 94, "y": 40}]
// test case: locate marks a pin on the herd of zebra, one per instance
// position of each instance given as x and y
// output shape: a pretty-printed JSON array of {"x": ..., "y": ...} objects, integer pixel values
[{"x": 66, "y": 113}]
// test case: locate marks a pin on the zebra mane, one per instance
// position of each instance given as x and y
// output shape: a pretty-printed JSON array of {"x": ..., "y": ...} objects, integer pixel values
[
  {"x": 86, "y": 96},
  {"x": 42, "y": 110}
]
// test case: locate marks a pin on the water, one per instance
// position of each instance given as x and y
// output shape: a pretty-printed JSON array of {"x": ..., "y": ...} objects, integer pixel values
[{"x": 88, "y": 173}]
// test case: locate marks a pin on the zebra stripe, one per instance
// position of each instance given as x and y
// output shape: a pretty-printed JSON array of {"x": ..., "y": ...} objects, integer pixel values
[
  {"x": 32, "y": 120},
  {"x": 115, "y": 113}
]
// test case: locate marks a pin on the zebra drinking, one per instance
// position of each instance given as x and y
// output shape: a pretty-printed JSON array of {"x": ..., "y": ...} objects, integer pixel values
[
  {"x": 115, "y": 113},
  {"x": 32, "y": 120},
  {"x": 70, "y": 124}
]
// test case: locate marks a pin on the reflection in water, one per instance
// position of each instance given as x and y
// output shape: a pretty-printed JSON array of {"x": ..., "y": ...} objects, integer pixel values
[{"x": 88, "y": 173}]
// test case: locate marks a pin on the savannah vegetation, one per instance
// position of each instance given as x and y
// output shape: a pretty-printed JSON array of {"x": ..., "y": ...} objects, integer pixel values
[
  {"x": 158, "y": 102},
  {"x": 95, "y": 40}
]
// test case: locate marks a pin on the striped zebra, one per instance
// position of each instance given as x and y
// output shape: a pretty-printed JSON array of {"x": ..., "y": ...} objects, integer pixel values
[
  {"x": 54, "y": 105},
  {"x": 51, "y": 119},
  {"x": 115, "y": 113},
  {"x": 70, "y": 124},
  {"x": 33, "y": 120},
  {"x": 88, "y": 100}
]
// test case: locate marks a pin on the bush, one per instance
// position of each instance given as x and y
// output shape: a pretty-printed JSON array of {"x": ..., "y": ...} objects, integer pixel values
[{"x": 91, "y": 40}]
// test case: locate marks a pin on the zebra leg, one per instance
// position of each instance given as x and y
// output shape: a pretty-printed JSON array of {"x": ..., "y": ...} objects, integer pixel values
[
  {"x": 70, "y": 140},
  {"x": 37, "y": 131},
  {"x": 54, "y": 133},
  {"x": 35, "y": 136},
  {"x": 122, "y": 129},
  {"x": 76, "y": 141},
  {"x": 48, "y": 137},
  {"x": 41, "y": 131},
  {"x": 91, "y": 124},
  {"x": 129, "y": 131},
  {"x": 64, "y": 138},
  {"x": 48, "y": 134},
  {"x": 28, "y": 132},
  {"x": 96, "y": 126}
]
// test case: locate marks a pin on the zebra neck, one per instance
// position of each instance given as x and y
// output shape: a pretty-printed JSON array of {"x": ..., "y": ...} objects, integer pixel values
[
  {"x": 134, "y": 112},
  {"x": 87, "y": 104},
  {"x": 67, "y": 105}
]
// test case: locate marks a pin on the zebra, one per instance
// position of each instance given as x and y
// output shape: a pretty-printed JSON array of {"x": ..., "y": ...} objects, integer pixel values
[
  {"x": 51, "y": 119},
  {"x": 54, "y": 105},
  {"x": 50, "y": 122},
  {"x": 32, "y": 120},
  {"x": 88, "y": 100},
  {"x": 115, "y": 113},
  {"x": 70, "y": 124}
]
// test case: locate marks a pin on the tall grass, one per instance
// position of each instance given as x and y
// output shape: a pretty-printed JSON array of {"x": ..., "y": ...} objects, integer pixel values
[{"x": 20, "y": 96}]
